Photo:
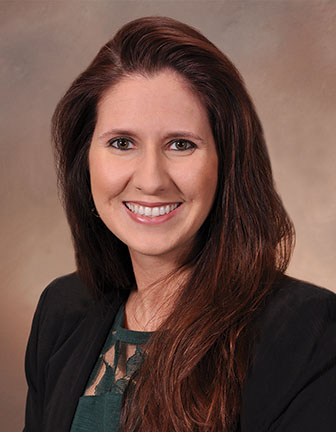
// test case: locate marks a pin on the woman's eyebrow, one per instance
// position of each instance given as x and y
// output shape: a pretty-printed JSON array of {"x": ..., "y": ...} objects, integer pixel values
[
  {"x": 173, "y": 134},
  {"x": 115, "y": 132},
  {"x": 184, "y": 134}
]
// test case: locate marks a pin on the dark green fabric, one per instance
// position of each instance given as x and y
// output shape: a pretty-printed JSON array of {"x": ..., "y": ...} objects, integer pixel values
[{"x": 101, "y": 411}]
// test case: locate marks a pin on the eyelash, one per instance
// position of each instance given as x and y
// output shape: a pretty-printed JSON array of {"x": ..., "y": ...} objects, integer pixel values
[
  {"x": 115, "y": 140},
  {"x": 190, "y": 145}
]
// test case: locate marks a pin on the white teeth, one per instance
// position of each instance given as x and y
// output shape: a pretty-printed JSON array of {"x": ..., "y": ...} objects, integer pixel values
[{"x": 151, "y": 211}]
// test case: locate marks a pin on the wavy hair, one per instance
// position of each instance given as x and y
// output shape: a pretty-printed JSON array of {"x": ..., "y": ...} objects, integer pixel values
[{"x": 196, "y": 362}]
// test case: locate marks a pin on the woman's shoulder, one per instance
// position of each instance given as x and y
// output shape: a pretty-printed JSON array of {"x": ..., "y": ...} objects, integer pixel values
[
  {"x": 292, "y": 288},
  {"x": 64, "y": 296},
  {"x": 294, "y": 363},
  {"x": 66, "y": 301},
  {"x": 297, "y": 316},
  {"x": 67, "y": 290},
  {"x": 297, "y": 303},
  {"x": 66, "y": 310},
  {"x": 290, "y": 294}
]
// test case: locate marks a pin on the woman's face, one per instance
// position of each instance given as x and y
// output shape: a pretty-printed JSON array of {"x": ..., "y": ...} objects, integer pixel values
[{"x": 153, "y": 164}]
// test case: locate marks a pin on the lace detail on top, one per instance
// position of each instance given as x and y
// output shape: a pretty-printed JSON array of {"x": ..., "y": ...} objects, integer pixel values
[{"x": 120, "y": 358}]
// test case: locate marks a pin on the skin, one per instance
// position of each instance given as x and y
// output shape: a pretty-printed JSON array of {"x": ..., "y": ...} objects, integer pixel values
[{"x": 153, "y": 145}]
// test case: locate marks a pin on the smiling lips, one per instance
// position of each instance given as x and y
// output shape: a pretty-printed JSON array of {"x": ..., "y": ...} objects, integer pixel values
[{"x": 153, "y": 211}]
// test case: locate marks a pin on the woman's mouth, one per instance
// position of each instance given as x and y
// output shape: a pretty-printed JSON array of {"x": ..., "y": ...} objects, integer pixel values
[{"x": 152, "y": 211}]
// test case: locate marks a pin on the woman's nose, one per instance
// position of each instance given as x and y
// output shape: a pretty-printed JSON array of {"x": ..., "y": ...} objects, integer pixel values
[{"x": 150, "y": 174}]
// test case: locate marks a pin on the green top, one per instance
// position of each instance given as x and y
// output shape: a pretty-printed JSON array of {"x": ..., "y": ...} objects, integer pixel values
[{"x": 99, "y": 408}]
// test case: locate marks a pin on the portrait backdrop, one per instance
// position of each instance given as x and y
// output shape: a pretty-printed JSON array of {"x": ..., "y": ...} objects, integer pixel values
[{"x": 286, "y": 53}]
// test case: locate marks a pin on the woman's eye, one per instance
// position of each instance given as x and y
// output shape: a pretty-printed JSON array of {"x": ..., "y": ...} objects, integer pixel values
[
  {"x": 181, "y": 144},
  {"x": 121, "y": 144}
]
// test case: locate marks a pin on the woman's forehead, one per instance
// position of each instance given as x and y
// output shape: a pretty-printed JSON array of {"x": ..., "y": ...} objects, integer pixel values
[{"x": 160, "y": 101}]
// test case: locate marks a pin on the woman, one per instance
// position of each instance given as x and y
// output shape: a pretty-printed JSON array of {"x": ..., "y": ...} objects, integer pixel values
[{"x": 179, "y": 317}]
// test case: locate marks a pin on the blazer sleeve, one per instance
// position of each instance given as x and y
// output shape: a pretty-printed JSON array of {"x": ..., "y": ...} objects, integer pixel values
[
  {"x": 68, "y": 330},
  {"x": 292, "y": 386},
  {"x": 34, "y": 375},
  {"x": 61, "y": 306}
]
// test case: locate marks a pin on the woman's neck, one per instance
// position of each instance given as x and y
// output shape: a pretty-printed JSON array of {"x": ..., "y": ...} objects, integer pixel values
[{"x": 151, "y": 302}]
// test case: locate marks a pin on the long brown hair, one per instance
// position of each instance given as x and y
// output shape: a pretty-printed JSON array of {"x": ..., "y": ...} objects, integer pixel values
[{"x": 196, "y": 363}]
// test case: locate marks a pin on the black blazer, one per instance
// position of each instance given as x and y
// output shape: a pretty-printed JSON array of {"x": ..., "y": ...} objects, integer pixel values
[{"x": 291, "y": 386}]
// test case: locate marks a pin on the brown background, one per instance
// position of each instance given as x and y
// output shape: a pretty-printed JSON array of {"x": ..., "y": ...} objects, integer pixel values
[{"x": 284, "y": 49}]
